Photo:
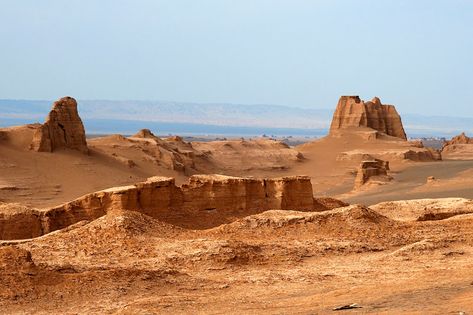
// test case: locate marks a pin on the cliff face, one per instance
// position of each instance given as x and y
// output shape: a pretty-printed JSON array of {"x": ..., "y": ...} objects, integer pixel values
[
  {"x": 226, "y": 193},
  {"x": 206, "y": 201},
  {"x": 63, "y": 129},
  {"x": 353, "y": 112}
]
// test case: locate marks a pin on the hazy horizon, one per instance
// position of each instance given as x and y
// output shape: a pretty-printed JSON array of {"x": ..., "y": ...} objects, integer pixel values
[
  {"x": 295, "y": 106},
  {"x": 413, "y": 54},
  {"x": 127, "y": 117}
]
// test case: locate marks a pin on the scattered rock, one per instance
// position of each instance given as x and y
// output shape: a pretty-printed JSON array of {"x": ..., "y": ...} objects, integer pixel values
[
  {"x": 347, "y": 307},
  {"x": 124, "y": 160},
  {"x": 9, "y": 187}
]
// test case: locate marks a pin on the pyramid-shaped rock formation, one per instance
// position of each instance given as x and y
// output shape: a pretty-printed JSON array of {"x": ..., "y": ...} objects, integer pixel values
[
  {"x": 353, "y": 112},
  {"x": 145, "y": 133},
  {"x": 460, "y": 139},
  {"x": 63, "y": 129}
]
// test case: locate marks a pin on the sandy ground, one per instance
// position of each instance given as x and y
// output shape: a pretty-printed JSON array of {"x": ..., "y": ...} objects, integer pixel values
[
  {"x": 277, "y": 262},
  {"x": 392, "y": 258},
  {"x": 45, "y": 180}
]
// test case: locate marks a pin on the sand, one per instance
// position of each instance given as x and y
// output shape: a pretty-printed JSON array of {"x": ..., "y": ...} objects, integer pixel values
[
  {"x": 412, "y": 257},
  {"x": 274, "y": 262}
]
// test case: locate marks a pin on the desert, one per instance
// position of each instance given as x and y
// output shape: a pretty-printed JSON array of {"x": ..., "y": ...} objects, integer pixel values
[
  {"x": 236, "y": 157},
  {"x": 141, "y": 224}
]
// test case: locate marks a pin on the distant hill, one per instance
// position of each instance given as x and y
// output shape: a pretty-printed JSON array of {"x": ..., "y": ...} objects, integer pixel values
[
  {"x": 103, "y": 116},
  {"x": 210, "y": 114}
]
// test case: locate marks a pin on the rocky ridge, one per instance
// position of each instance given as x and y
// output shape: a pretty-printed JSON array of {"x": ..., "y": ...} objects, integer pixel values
[
  {"x": 460, "y": 139},
  {"x": 205, "y": 201}
]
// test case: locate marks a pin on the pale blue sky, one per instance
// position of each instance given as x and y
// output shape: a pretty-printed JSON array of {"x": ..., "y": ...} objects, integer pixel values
[{"x": 416, "y": 54}]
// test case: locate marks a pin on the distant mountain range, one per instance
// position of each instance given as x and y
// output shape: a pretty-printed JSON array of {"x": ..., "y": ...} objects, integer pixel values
[{"x": 214, "y": 119}]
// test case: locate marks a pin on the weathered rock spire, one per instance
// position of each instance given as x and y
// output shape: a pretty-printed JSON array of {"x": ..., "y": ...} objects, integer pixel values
[{"x": 63, "y": 129}]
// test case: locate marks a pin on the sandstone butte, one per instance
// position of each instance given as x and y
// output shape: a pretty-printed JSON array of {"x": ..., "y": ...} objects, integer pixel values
[
  {"x": 160, "y": 198},
  {"x": 63, "y": 129},
  {"x": 353, "y": 112}
]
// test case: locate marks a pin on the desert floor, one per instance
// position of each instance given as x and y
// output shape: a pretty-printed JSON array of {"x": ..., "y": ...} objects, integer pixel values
[
  {"x": 414, "y": 258},
  {"x": 277, "y": 262}
]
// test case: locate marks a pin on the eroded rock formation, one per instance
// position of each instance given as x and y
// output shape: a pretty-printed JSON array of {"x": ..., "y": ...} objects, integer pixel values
[
  {"x": 459, "y": 148},
  {"x": 460, "y": 139},
  {"x": 205, "y": 201},
  {"x": 144, "y": 133},
  {"x": 218, "y": 192},
  {"x": 63, "y": 129},
  {"x": 353, "y": 112},
  {"x": 428, "y": 154},
  {"x": 377, "y": 169}
]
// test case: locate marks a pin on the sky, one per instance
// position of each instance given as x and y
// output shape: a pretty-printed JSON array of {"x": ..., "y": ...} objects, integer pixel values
[{"x": 417, "y": 54}]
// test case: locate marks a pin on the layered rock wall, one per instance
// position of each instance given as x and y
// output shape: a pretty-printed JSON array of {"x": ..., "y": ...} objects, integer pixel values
[
  {"x": 63, "y": 129},
  {"x": 160, "y": 198},
  {"x": 351, "y": 112},
  {"x": 217, "y": 192}
]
